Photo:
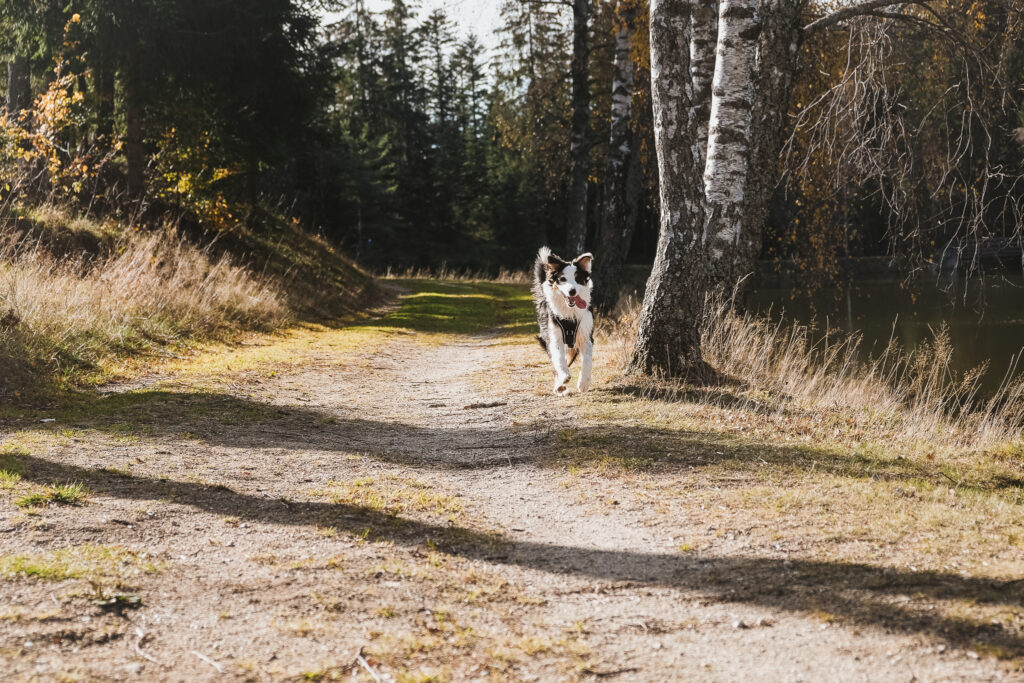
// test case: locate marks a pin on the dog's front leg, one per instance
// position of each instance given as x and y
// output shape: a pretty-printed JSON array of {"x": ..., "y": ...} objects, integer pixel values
[
  {"x": 557, "y": 346},
  {"x": 588, "y": 364}
]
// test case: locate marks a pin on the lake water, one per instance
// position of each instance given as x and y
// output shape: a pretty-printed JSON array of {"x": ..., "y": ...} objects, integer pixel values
[{"x": 985, "y": 318}]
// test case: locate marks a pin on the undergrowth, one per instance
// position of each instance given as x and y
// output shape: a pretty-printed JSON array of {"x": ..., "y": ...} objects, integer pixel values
[{"x": 913, "y": 399}]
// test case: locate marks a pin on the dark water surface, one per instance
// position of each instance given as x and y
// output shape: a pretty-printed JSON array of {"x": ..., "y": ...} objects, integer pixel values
[{"x": 985, "y": 318}]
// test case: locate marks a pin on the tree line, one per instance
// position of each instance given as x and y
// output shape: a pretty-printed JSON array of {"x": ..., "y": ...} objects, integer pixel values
[{"x": 704, "y": 134}]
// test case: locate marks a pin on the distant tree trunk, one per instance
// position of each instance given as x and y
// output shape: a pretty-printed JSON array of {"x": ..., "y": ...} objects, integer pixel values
[
  {"x": 252, "y": 185},
  {"x": 729, "y": 143},
  {"x": 777, "y": 53},
  {"x": 135, "y": 153},
  {"x": 618, "y": 218},
  {"x": 104, "y": 84},
  {"x": 668, "y": 339},
  {"x": 576, "y": 236},
  {"x": 19, "y": 87},
  {"x": 703, "y": 41}
]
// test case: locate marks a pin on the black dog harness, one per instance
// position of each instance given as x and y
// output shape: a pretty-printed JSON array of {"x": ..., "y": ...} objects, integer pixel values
[{"x": 569, "y": 329}]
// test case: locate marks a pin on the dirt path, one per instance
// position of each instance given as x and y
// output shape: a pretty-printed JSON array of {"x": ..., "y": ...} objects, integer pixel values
[{"x": 407, "y": 499}]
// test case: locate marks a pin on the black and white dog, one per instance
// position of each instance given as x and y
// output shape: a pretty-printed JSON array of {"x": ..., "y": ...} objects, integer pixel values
[{"x": 561, "y": 291}]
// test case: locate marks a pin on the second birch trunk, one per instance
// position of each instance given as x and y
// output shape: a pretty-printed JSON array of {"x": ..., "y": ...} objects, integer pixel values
[
  {"x": 729, "y": 135},
  {"x": 576, "y": 236},
  {"x": 668, "y": 338},
  {"x": 617, "y": 222}
]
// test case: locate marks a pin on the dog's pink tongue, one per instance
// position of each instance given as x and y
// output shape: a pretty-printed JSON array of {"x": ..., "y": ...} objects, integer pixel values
[{"x": 580, "y": 303}]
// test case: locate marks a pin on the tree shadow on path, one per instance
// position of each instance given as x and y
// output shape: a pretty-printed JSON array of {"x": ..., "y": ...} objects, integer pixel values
[
  {"x": 856, "y": 593},
  {"x": 478, "y": 440}
]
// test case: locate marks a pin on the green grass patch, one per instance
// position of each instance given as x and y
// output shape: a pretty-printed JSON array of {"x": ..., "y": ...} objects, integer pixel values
[
  {"x": 435, "y": 306},
  {"x": 92, "y": 562},
  {"x": 10, "y": 467},
  {"x": 32, "y": 500},
  {"x": 73, "y": 493},
  {"x": 9, "y": 479}
]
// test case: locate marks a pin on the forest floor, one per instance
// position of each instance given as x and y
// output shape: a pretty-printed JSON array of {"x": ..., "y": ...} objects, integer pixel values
[{"x": 403, "y": 499}]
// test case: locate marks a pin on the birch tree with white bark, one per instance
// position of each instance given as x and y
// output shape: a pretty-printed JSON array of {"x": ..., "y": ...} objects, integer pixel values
[
  {"x": 623, "y": 184},
  {"x": 579, "y": 144},
  {"x": 716, "y": 179}
]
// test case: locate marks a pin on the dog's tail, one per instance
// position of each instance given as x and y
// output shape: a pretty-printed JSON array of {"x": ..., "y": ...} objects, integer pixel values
[
  {"x": 539, "y": 266},
  {"x": 539, "y": 275}
]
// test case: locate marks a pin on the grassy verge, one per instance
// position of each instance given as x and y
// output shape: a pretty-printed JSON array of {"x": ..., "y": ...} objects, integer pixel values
[{"x": 79, "y": 298}]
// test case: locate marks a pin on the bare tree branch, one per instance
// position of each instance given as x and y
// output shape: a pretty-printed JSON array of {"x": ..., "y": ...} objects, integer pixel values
[{"x": 867, "y": 7}]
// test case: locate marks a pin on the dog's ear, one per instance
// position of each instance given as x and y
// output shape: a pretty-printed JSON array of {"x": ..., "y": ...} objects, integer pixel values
[
  {"x": 585, "y": 262},
  {"x": 554, "y": 259},
  {"x": 552, "y": 262}
]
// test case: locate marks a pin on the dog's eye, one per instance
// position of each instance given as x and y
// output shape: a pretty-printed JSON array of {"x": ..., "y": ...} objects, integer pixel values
[{"x": 561, "y": 279}]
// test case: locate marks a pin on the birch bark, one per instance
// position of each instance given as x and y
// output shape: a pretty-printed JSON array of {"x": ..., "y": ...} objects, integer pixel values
[
  {"x": 713, "y": 210},
  {"x": 668, "y": 338},
  {"x": 617, "y": 221},
  {"x": 576, "y": 236},
  {"x": 703, "y": 40},
  {"x": 729, "y": 131},
  {"x": 777, "y": 53}
]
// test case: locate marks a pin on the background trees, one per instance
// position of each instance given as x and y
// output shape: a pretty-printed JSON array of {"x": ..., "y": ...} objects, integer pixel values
[
  {"x": 202, "y": 100},
  {"x": 413, "y": 144}
]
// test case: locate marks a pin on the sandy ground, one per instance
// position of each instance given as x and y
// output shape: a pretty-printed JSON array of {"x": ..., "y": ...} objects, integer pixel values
[{"x": 397, "y": 512}]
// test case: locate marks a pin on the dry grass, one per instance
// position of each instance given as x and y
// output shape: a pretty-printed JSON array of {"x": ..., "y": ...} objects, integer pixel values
[
  {"x": 914, "y": 399},
  {"x": 65, "y": 316}
]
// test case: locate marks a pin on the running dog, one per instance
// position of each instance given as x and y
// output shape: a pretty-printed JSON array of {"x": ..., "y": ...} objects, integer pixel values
[{"x": 561, "y": 291}]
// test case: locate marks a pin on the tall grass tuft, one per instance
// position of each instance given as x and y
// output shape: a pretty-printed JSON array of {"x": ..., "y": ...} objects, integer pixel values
[
  {"x": 913, "y": 398},
  {"x": 60, "y": 316}
]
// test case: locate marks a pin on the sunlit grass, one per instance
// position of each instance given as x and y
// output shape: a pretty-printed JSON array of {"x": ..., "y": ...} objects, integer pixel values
[
  {"x": 73, "y": 493},
  {"x": 393, "y": 495},
  {"x": 431, "y": 310},
  {"x": 821, "y": 388},
  {"x": 93, "y": 562},
  {"x": 70, "y": 319},
  {"x": 137, "y": 297}
]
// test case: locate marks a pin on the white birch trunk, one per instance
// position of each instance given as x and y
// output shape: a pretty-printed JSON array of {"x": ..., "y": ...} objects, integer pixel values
[
  {"x": 668, "y": 338},
  {"x": 725, "y": 174},
  {"x": 711, "y": 214},
  {"x": 703, "y": 40}
]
